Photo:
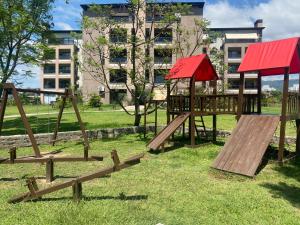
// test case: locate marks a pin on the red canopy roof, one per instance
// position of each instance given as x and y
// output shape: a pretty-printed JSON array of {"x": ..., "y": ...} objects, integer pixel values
[
  {"x": 199, "y": 66},
  {"x": 271, "y": 58}
]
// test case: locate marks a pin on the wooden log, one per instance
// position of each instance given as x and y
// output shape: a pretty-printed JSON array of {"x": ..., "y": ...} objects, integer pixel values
[
  {"x": 12, "y": 154},
  {"x": 50, "y": 170},
  {"x": 77, "y": 191}
]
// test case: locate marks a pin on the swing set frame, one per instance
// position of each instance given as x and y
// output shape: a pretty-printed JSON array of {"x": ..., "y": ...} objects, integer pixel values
[{"x": 48, "y": 158}]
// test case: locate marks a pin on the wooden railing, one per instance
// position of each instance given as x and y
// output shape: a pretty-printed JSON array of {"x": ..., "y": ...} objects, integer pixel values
[
  {"x": 220, "y": 104},
  {"x": 293, "y": 103}
]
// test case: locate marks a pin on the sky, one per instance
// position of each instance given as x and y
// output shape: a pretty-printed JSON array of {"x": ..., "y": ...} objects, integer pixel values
[{"x": 281, "y": 18}]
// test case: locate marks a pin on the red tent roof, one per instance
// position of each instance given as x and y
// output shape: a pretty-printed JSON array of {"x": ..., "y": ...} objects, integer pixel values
[
  {"x": 199, "y": 66},
  {"x": 271, "y": 58}
]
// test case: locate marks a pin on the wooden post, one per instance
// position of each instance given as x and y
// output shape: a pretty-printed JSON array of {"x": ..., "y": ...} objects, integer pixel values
[
  {"x": 77, "y": 191},
  {"x": 116, "y": 160},
  {"x": 3, "y": 107},
  {"x": 155, "y": 126},
  {"x": 50, "y": 170},
  {"x": 145, "y": 119},
  {"x": 283, "y": 116},
  {"x": 24, "y": 119},
  {"x": 12, "y": 154},
  {"x": 241, "y": 96},
  {"x": 215, "y": 110},
  {"x": 168, "y": 102},
  {"x": 259, "y": 93},
  {"x": 298, "y": 123},
  {"x": 192, "y": 108},
  {"x": 82, "y": 128},
  {"x": 61, "y": 110},
  {"x": 86, "y": 153}
]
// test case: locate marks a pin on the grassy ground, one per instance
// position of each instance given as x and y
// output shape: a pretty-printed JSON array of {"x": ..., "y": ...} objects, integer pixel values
[
  {"x": 177, "y": 187},
  {"x": 105, "y": 118}
]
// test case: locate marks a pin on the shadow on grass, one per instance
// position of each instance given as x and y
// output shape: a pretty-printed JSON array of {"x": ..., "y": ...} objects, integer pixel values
[
  {"x": 282, "y": 190},
  {"x": 121, "y": 197}
]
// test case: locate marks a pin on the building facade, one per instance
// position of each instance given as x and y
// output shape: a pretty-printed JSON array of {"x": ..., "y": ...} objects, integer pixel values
[
  {"x": 60, "y": 69},
  {"x": 59, "y": 72}
]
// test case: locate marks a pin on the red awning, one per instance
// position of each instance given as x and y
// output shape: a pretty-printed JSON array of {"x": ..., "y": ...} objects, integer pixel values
[
  {"x": 199, "y": 66},
  {"x": 271, "y": 58}
]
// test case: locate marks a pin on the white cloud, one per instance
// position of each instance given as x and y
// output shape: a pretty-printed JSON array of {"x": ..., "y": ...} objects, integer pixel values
[
  {"x": 281, "y": 18},
  {"x": 63, "y": 26}
]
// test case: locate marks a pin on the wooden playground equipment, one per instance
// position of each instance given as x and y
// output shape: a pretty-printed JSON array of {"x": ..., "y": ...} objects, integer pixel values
[
  {"x": 248, "y": 143},
  {"x": 35, "y": 193},
  {"x": 47, "y": 158},
  {"x": 244, "y": 150}
]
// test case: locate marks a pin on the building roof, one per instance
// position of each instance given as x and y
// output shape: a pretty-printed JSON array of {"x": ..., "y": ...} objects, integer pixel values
[
  {"x": 272, "y": 58},
  {"x": 199, "y": 66},
  {"x": 124, "y": 2}
]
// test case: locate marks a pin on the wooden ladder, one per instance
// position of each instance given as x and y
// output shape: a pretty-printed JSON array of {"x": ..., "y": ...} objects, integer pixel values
[{"x": 201, "y": 125}]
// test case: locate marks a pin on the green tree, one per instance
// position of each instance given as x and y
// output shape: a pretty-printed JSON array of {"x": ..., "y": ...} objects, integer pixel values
[{"x": 23, "y": 27}]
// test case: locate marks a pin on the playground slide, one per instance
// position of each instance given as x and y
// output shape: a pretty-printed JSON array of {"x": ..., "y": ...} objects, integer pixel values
[
  {"x": 162, "y": 136},
  {"x": 245, "y": 148}
]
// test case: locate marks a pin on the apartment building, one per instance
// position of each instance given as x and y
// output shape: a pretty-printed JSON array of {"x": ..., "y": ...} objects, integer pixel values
[
  {"x": 60, "y": 70},
  {"x": 161, "y": 52},
  {"x": 235, "y": 43}
]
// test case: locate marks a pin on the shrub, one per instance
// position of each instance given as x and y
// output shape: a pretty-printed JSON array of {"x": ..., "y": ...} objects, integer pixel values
[{"x": 95, "y": 101}]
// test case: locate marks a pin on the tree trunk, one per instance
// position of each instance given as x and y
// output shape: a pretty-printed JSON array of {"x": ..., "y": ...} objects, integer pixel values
[{"x": 137, "y": 115}]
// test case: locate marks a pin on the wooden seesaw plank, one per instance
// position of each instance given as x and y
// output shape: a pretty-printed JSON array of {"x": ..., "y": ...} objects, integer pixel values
[{"x": 35, "y": 193}]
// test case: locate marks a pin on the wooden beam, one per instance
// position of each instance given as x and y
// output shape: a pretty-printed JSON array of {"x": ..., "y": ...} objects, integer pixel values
[
  {"x": 24, "y": 119},
  {"x": 241, "y": 96},
  {"x": 259, "y": 96},
  {"x": 283, "y": 115}
]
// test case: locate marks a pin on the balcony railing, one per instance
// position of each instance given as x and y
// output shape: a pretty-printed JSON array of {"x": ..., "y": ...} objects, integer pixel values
[{"x": 293, "y": 103}]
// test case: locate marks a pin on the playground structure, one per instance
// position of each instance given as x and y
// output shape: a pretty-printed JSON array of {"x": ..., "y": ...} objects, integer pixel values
[
  {"x": 47, "y": 158},
  {"x": 248, "y": 143},
  {"x": 246, "y": 146},
  {"x": 76, "y": 184},
  {"x": 182, "y": 107}
]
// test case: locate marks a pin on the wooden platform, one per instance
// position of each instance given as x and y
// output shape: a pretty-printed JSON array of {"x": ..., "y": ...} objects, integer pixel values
[
  {"x": 247, "y": 144},
  {"x": 162, "y": 136}
]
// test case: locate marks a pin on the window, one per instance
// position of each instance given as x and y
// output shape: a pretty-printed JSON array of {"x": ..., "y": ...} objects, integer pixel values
[
  {"x": 118, "y": 35},
  {"x": 64, "y": 68},
  {"x": 163, "y": 36},
  {"x": 233, "y": 83},
  {"x": 117, "y": 76},
  {"x": 233, "y": 67},
  {"x": 234, "y": 53},
  {"x": 118, "y": 56},
  {"x": 117, "y": 95},
  {"x": 49, "y": 69},
  {"x": 49, "y": 83},
  {"x": 64, "y": 53},
  {"x": 49, "y": 54},
  {"x": 120, "y": 18},
  {"x": 159, "y": 75},
  {"x": 163, "y": 56},
  {"x": 64, "y": 83},
  {"x": 251, "y": 83}
]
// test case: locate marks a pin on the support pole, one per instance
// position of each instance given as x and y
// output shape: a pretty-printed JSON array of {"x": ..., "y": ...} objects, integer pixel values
[
  {"x": 24, "y": 119},
  {"x": 283, "y": 116},
  {"x": 192, "y": 108},
  {"x": 259, "y": 93},
  {"x": 298, "y": 122},
  {"x": 168, "y": 102},
  {"x": 155, "y": 126},
  {"x": 77, "y": 191},
  {"x": 82, "y": 128},
  {"x": 12, "y": 154},
  {"x": 215, "y": 111},
  {"x": 50, "y": 170},
  {"x": 3, "y": 107},
  {"x": 241, "y": 96},
  {"x": 61, "y": 110},
  {"x": 145, "y": 119}
]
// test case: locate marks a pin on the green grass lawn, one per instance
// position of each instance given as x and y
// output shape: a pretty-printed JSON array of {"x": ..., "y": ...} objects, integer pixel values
[
  {"x": 106, "y": 118},
  {"x": 176, "y": 187}
]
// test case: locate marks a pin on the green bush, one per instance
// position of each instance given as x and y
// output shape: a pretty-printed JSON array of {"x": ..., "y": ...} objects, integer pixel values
[{"x": 95, "y": 101}]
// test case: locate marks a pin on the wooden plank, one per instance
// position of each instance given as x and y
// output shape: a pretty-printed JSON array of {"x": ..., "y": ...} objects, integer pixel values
[
  {"x": 162, "y": 136},
  {"x": 247, "y": 144}
]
